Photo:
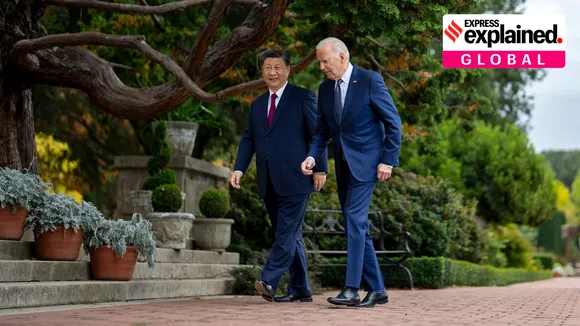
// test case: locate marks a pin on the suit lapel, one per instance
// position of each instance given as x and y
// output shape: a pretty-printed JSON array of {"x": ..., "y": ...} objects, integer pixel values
[
  {"x": 352, "y": 89},
  {"x": 263, "y": 112},
  {"x": 281, "y": 105}
]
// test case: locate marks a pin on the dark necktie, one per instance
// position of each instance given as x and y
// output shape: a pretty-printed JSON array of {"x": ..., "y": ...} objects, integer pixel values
[
  {"x": 338, "y": 101},
  {"x": 272, "y": 109}
]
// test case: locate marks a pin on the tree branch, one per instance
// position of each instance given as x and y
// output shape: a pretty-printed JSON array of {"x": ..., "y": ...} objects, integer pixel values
[
  {"x": 79, "y": 68},
  {"x": 259, "y": 83},
  {"x": 118, "y": 65},
  {"x": 155, "y": 18},
  {"x": 137, "y": 9},
  {"x": 253, "y": 32},
  {"x": 218, "y": 11},
  {"x": 297, "y": 68},
  {"x": 377, "y": 43},
  {"x": 24, "y": 47},
  {"x": 379, "y": 66}
]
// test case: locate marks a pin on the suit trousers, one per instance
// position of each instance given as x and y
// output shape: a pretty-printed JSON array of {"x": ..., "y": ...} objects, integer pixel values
[
  {"x": 362, "y": 264},
  {"x": 288, "y": 252}
]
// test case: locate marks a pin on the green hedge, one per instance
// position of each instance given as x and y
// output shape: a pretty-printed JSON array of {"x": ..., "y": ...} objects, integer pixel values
[
  {"x": 546, "y": 259},
  {"x": 439, "y": 272}
]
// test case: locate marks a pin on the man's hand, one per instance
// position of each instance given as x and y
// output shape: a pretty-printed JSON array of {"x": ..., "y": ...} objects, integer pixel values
[
  {"x": 319, "y": 180},
  {"x": 236, "y": 179},
  {"x": 384, "y": 172},
  {"x": 307, "y": 166}
]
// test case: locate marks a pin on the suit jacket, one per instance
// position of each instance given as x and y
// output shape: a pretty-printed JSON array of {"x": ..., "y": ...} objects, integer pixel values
[
  {"x": 370, "y": 129},
  {"x": 281, "y": 148}
]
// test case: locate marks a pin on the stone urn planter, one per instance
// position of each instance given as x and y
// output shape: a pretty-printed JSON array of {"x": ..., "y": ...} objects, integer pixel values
[
  {"x": 171, "y": 229},
  {"x": 181, "y": 137},
  {"x": 141, "y": 201},
  {"x": 213, "y": 232}
]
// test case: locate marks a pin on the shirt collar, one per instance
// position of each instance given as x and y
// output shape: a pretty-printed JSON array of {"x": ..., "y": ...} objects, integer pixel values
[
  {"x": 346, "y": 77},
  {"x": 278, "y": 92}
]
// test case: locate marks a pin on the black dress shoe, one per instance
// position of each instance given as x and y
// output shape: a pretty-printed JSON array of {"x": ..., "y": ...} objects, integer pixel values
[
  {"x": 374, "y": 298},
  {"x": 291, "y": 298},
  {"x": 347, "y": 297},
  {"x": 266, "y": 290}
]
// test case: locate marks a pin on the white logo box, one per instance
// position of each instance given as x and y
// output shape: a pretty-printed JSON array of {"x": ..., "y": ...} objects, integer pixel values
[{"x": 510, "y": 22}]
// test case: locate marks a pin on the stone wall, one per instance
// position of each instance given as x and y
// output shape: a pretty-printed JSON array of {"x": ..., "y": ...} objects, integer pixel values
[{"x": 193, "y": 177}]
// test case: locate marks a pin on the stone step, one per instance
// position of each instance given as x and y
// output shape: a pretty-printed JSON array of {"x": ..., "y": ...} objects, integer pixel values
[
  {"x": 24, "y": 250},
  {"x": 42, "y": 271},
  {"x": 37, "y": 294}
]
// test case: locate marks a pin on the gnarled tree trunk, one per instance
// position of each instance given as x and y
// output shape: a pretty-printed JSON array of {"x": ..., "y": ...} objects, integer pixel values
[
  {"x": 18, "y": 20},
  {"x": 17, "y": 144}
]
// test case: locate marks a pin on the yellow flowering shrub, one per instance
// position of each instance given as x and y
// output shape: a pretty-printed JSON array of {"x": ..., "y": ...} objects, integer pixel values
[
  {"x": 55, "y": 165},
  {"x": 565, "y": 204}
]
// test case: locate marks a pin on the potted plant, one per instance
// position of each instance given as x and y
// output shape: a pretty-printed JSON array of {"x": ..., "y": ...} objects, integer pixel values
[
  {"x": 158, "y": 173},
  {"x": 20, "y": 192},
  {"x": 115, "y": 245},
  {"x": 213, "y": 232},
  {"x": 58, "y": 222},
  {"x": 182, "y": 126},
  {"x": 171, "y": 228}
]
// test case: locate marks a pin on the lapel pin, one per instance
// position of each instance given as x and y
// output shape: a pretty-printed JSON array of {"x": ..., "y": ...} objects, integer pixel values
[{"x": 354, "y": 81}]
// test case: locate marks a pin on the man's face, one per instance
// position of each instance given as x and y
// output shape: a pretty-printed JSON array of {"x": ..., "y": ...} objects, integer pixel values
[
  {"x": 275, "y": 73},
  {"x": 334, "y": 67}
]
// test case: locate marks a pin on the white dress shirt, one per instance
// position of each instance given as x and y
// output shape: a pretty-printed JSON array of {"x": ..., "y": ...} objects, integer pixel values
[
  {"x": 345, "y": 81},
  {"x": 279, "y": 95}
]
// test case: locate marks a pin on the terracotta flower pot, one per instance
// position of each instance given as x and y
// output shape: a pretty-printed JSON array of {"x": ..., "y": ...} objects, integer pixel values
[
  {"x": 54, "y": 245},
  {"x": 12, "y": 225},
  {"x": 106, "y": 266}
]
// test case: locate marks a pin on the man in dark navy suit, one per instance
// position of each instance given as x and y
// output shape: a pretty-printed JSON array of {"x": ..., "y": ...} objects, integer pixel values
[
  {"x": 357, "y": 112},
  {"x": 280, "y": 128}
]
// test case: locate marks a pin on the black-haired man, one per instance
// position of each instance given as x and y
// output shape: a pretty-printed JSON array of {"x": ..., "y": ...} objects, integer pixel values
[{"x": 280, "y": 127}]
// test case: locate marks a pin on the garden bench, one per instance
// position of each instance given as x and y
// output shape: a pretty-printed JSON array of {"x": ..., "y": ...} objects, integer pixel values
[{"x": 331, "y": 226}]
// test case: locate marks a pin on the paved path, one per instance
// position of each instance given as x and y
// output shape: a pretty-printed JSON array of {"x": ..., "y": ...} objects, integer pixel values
[{"x": 553, "y": 302}]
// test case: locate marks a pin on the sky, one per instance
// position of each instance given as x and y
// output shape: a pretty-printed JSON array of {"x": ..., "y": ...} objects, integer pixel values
[{"x": 555, "y": 121}]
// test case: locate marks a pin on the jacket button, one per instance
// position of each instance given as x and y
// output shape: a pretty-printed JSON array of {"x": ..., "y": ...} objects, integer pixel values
[{"x": 267, "y": 138}]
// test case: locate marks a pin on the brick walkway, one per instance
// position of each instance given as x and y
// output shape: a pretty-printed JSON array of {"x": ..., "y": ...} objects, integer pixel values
[{"x": 553, "y": 302}]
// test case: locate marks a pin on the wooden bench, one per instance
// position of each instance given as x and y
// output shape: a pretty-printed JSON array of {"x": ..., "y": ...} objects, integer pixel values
[{"x": 331, "y": 226}]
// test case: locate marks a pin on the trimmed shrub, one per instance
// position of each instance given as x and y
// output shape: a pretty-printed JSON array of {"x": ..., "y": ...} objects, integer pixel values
[
  {"x": 435, "y": 215},
  {"x": 166, "y": 176},
  {"x": 162, "y": 152},
  {"x": 546, "y": 260},
  {"x": 166, "y": 198},
  {"x": 439, "y": 272},
  {"x": 166, "y": 195},
  {"x": 214, "y": 203},
  {"x": 518, "y": 249}
]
